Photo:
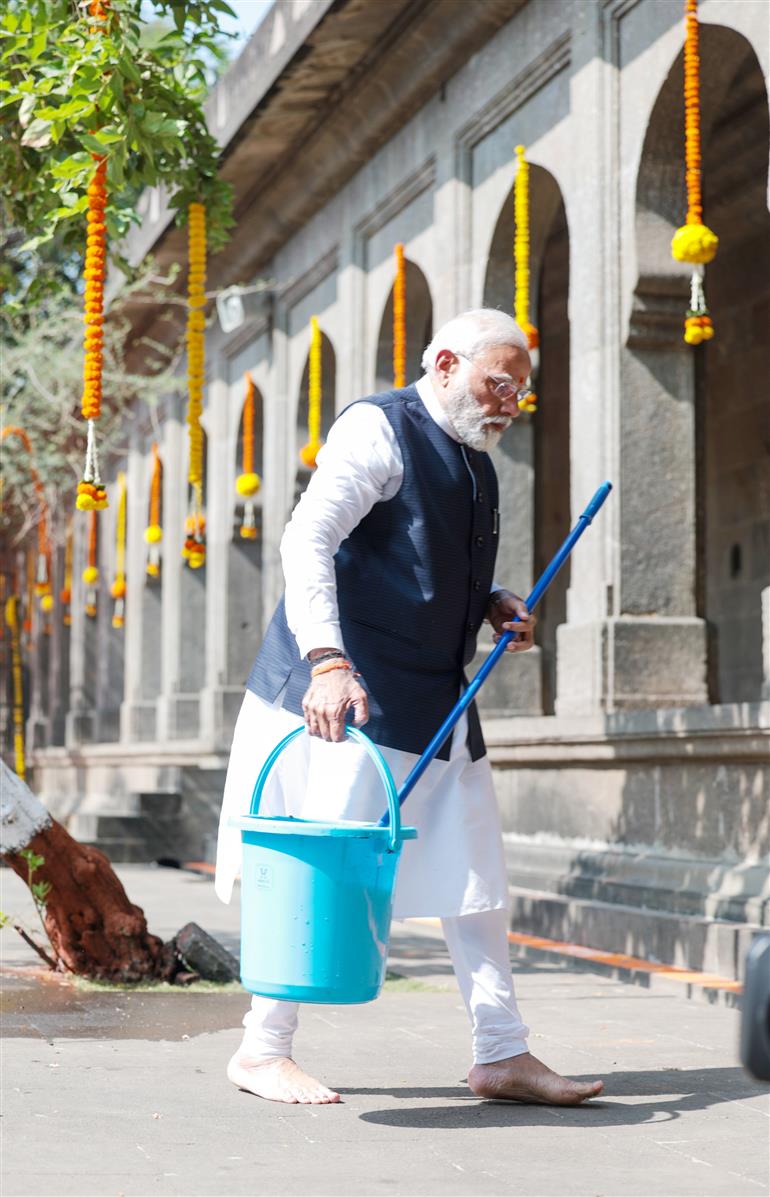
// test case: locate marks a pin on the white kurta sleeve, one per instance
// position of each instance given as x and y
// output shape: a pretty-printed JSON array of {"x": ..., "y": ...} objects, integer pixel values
[{"x": 360, "y": 465}]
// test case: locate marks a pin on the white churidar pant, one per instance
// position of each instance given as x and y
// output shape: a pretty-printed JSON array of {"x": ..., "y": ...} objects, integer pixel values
[
  {"x": 479, "y": 949},
  {"x": 455, "y": 870}
]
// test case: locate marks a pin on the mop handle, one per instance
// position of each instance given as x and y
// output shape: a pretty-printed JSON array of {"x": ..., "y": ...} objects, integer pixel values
[{"x": 542, "y": 584}]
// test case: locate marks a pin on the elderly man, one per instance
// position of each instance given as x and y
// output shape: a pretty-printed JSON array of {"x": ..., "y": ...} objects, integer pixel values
[{"x": 388, "y": 560}]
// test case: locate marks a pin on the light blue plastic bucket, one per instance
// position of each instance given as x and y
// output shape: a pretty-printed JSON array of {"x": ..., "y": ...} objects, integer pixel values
[{"x": 316, "y": 898}]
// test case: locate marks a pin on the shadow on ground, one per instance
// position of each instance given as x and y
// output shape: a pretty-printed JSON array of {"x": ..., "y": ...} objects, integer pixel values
[{"x": 689, "y": 1090}]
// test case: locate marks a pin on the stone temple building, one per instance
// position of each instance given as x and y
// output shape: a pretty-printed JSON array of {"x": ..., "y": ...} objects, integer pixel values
[{"x": 630, "y": 748}]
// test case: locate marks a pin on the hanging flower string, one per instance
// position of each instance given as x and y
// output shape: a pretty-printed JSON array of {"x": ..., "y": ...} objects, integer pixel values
[
  {"x": 12, "y": 620},
  {"x": 194, "y": 551},
  {"x": 153, "y": 533},
  {"x": 91, "y": 494},
  {"x": 694, "y": 242},
  {"x": 399, "y": 319},
  {"x": 521, "y": 248},
  {"x": 91, "y": 572},
  {"x": 118, "y": 588},
  {"x": 309, "y": 452},
  {"x": 248, "y": 482},
  {"x": 65, "y": 594}
]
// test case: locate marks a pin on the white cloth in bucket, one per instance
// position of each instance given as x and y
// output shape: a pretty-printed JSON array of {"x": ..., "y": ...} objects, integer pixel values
[{"x": 455, "y": 866}]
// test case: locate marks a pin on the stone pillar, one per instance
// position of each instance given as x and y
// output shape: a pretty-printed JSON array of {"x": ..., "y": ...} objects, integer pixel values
[
  {"x": 279, "y": 441},
  {"x": 219, "y": 699},
  {"x": 110, "y": 640},
  {"x": 138, "y": 713},
  {"x": 60, "y": 651},
  {"x": 37, "y": 730},
  {"x": 765, "y": 598},
  {"x": 632, "y": 638},
  {"x": 80, "y": 722},
  {"x": 170, "y": 724}
]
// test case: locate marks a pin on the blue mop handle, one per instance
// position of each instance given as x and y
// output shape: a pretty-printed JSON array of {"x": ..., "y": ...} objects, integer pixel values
[{"x": 540, "y": 587}]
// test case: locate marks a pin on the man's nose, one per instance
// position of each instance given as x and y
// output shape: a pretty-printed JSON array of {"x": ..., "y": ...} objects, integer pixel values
[{"x": 510, "y": 407}]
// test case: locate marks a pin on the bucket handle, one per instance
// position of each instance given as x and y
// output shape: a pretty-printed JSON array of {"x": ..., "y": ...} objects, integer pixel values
[{"x": 381, "y": 765}]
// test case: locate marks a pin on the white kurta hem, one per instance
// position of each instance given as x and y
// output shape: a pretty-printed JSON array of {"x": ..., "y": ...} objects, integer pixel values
[{"x": 456, "y": 865}]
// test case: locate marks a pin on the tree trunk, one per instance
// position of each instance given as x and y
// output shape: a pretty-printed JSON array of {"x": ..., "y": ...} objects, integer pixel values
[{"x": 95, "y": 931}]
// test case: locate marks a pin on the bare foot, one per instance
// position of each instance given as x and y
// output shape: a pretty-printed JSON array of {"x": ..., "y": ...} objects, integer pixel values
[
  {"x": 278, "y": 1079},
  {"x": 525, "y": 1078}
]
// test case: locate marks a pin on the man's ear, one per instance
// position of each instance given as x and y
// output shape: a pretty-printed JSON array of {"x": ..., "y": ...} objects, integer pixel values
[{"x": 446, "y": 362}]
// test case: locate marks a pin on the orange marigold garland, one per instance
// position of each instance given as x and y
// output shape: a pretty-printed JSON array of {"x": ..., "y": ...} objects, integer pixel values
[
  {"x": 118, "y": 588},
  {"x": 309, "y": 452},
  {"x": 248, "y": 482},
  {"x": 694, "y": 242},
  {"x": 91, "y": 572},
  {"x": 399, "y": 319},
  {"x": 65, "y": 594},
  {"x": 194, "y": 551},
  {"x": 521, "y": 249},
  {"x": 91, "y": 494},
  {"x": 153, "y": 533}
]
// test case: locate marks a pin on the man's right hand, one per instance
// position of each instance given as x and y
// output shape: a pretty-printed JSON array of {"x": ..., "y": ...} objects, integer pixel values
[{"x": 327, "y": 699}]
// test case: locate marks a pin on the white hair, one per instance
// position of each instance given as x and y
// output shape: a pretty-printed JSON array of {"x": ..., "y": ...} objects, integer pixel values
[{"x": 472, "y": 332}]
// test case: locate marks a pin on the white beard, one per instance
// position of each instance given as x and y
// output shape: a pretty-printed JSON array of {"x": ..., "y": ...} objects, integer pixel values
[{"x": 469, "y": 422}]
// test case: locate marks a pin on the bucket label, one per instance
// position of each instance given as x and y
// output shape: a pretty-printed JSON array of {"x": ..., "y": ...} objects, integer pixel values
[{"x": 263, "y": 877}]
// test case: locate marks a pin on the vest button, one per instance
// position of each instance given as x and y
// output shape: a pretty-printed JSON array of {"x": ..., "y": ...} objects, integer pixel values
[
  {"x": 479, "y": 497},
  {"x": 471, "y": 627},
  {"x": 480, "y": 541},
  {"x": 477, "y": 584}
]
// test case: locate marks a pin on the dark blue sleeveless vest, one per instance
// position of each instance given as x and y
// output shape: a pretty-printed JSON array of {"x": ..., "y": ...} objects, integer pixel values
[{"x": 413, "y": 580}]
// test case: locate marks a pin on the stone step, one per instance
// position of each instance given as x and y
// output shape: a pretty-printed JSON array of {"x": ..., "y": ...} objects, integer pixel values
[
  {"x": 643, "y": 878},
  {"x": 703, "y": 944}
]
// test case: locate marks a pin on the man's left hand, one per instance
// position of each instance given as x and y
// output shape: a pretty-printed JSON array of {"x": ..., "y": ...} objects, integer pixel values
[{"x": 502, "y": 606}]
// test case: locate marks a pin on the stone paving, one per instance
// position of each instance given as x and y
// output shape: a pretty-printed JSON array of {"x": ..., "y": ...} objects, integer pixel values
[{"x": 111, "y": 1092}]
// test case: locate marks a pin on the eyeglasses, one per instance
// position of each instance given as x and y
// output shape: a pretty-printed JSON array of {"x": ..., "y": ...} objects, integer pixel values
[{"x": 501, "y": 388}]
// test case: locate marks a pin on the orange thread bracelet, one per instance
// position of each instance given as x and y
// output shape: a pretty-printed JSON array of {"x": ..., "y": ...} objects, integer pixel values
[{"x": 327, "y": 666}]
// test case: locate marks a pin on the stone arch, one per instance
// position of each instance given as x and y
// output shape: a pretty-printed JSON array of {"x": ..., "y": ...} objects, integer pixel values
[
  {"x": 533, "y": 459},
  {"x": 419, "y": 329},
  {"x": 244, "y": 559},
  {"x": 713, "y": 388},
  {"x": 328, "y": 408}
]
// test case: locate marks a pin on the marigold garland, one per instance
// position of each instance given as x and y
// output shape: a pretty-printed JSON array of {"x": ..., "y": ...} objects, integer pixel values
[
  {"x": 248, "y": 482},
  {"x": 91, "y": 572},
  {"x": 309, "y": 452},
  {"x": 399, "y": 319},
  {"x": 153, "y": 533},
  {"x": 521, "y": 249},
  {"x": 91, "y": 493},
  {"x": 194, "y": 550},
  {"x": 694, "y": 242},
  {"x": 65, "y": 594},
  {"x": 118, "y": 588},
  {"x": 12, "y": 620}
]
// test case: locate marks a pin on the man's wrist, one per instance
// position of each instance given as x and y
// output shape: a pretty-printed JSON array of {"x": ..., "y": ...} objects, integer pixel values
[{"x": 316, "y": 655}]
